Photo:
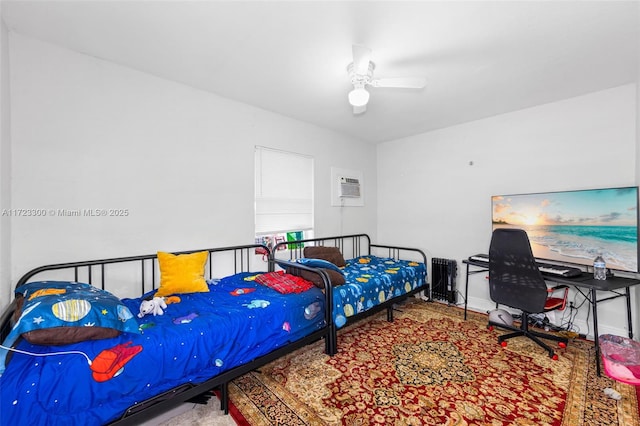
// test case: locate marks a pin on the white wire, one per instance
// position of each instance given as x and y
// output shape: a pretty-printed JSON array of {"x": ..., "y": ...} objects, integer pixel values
[{"x": 48, "y": 354}]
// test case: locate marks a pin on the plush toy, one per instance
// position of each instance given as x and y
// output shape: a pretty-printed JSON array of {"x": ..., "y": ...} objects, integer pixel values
[
  {"x": 154, "y": 306},
  {"x": 175, "y": 299}
]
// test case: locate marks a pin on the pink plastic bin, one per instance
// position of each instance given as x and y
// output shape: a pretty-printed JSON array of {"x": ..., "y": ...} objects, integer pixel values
[{"x": 621, "y": 358}]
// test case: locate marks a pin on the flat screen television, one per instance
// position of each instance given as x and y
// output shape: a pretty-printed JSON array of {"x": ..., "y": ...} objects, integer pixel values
[{"x": 575, "y": 226}]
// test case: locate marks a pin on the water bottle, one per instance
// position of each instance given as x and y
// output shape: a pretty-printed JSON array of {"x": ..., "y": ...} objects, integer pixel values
[{"x": 599, "y": 268}]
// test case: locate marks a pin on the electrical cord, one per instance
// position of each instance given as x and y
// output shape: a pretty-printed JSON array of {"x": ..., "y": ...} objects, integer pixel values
[{"x": 48, "y": 354}]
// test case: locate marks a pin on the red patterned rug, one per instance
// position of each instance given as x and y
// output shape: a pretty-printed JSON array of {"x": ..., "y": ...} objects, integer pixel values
[{"x": 430, "y": 367}]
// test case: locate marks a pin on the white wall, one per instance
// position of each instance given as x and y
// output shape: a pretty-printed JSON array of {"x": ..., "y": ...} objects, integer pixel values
[
  {"x": 5, "y": 168},
  {"x": 434, "y": 199},
  {"x": 89, "y": 134}
]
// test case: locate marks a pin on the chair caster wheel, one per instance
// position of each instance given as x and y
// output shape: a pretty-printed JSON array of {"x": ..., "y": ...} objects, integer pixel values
[
  {"x": 503, "y": 344},
  {"x": 562, "y": 345},
  {"x": 554, "y": 357},
  {"x": 490, "y": 327}
]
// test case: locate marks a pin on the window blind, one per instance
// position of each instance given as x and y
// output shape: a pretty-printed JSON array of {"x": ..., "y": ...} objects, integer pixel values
[{"x": 283, "y": 191}]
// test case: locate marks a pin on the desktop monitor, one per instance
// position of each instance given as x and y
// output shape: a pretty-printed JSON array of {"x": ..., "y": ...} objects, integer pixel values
[{"x": 575, "y": 226}]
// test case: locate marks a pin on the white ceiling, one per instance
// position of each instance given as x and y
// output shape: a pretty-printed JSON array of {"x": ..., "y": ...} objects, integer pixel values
[{"x": 480, "y": 58}]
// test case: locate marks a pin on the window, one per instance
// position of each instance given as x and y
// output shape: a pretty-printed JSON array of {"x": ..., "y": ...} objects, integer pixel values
[{"x": 283, "y": 196}]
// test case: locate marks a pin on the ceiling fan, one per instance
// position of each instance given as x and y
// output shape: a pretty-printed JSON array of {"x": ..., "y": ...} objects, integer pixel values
[{"x": 361, "y": 75}]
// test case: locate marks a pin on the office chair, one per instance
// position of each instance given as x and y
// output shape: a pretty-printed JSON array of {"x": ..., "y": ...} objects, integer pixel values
[{"x": 515, "y": 281}]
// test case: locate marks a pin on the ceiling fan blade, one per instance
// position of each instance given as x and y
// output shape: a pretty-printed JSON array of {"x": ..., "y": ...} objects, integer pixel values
[
  {"x": 401, "y": 82},
  {"x": 361, "y": 59},
  {"x": 359, "y": 109}
]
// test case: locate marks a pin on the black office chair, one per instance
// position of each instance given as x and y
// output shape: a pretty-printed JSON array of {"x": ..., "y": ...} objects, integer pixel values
[{"x": 515, "y": 281}]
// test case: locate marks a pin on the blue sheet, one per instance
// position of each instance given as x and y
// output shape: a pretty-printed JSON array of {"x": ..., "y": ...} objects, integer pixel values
[
  {"x": 201, "y": 336},
  {"x": 372, "y": 280}
]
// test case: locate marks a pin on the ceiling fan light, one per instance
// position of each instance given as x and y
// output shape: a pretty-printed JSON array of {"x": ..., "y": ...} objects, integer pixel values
[{"x": 358, "y": 97}]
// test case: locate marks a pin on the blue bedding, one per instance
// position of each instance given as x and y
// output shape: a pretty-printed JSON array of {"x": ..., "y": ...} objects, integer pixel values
[
  {"x": 197, "y": 338},
  {"x": 372, "y": 280}
]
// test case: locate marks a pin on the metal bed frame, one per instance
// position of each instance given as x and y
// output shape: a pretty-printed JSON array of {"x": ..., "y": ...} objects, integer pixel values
[
  {"x": 352, "y": 246},
  {"x": 96, "y": 272}
]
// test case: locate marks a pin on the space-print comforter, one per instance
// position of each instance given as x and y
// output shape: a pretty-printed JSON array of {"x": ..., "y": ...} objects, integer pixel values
[
  {"x": 198, "y": 337},
  {"x": 372, "y": 280}
]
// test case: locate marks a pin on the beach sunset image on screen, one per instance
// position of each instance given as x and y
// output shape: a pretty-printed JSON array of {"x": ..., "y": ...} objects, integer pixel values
[{"x": 576, "y": 226}]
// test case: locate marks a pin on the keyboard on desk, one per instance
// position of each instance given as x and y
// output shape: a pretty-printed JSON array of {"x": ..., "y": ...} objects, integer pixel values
[
  {"x": 545, "y": 268},
  {"x": 559, "y": 270}
]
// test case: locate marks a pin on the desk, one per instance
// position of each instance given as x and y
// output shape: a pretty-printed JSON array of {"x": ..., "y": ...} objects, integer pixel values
[{"x": 585, "y": 285}]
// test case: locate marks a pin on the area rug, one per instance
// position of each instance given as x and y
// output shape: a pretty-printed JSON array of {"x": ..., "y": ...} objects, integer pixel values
[{"x": 431, "y": 367}]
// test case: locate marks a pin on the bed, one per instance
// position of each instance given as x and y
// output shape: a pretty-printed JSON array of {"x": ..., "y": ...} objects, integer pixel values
[
  {"x": 198, "y": 341},
  {"x": 364, "y": 277}
]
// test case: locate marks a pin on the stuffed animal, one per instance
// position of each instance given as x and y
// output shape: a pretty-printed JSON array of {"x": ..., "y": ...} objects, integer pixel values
[{"x": 154, "y": 306}]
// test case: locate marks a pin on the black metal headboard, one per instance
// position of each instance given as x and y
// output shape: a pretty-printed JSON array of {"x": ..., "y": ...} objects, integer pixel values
[
  {"x": 138, "y": 270},
  {"x": 351, "y": 246}
]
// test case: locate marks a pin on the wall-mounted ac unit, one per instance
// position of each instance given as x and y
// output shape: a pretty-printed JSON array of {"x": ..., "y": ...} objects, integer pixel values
[{"x": 349, "y": 187}]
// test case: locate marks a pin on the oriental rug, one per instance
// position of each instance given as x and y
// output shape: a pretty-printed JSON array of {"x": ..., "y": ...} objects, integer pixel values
[{"x": 431, "y": 367}]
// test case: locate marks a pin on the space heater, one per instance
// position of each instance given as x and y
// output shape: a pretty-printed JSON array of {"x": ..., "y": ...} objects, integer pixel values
[{"x": 443, "y": 279}]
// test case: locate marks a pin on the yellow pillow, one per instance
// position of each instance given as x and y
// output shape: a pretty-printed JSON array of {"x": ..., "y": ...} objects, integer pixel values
[{"x": 183, "y": 273}]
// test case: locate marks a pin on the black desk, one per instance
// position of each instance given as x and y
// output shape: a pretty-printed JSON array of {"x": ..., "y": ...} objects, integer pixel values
[{"x": 585, "y": 285}]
